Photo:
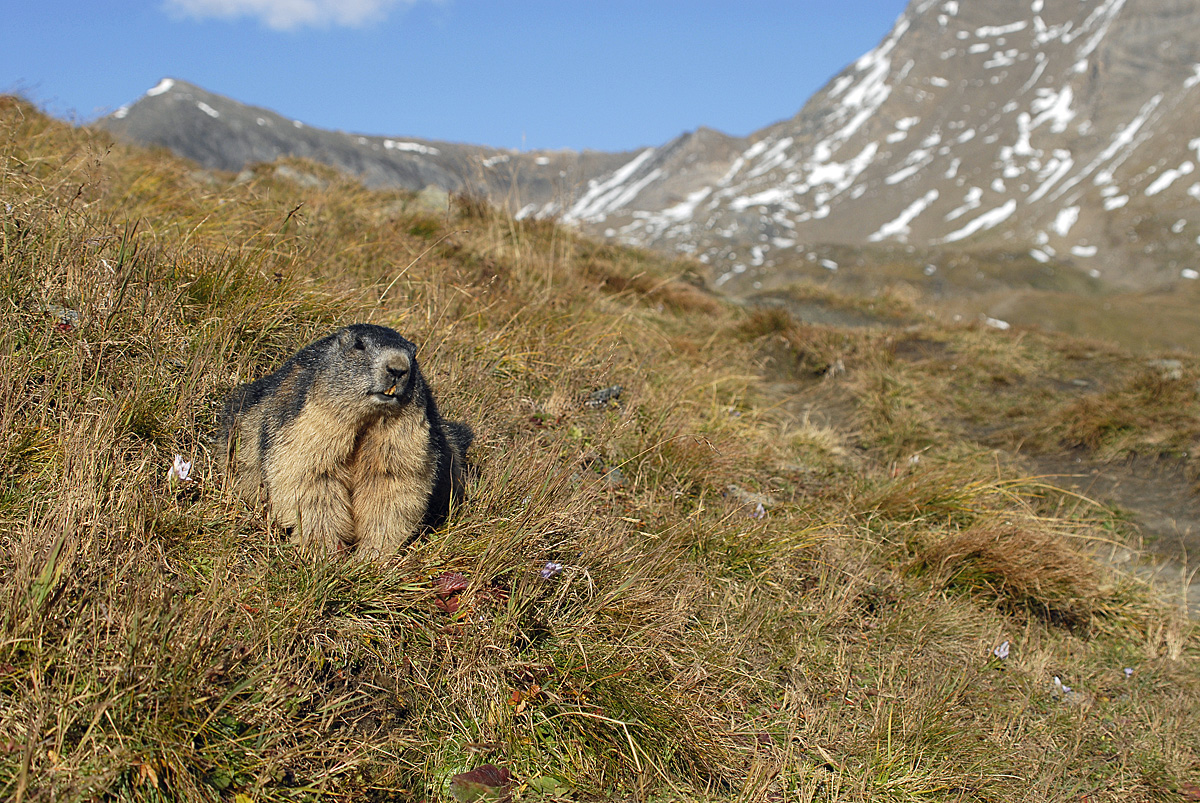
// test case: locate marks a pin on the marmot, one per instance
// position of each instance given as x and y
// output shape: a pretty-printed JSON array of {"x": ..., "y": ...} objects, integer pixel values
[{"x": 347, "y": 442}]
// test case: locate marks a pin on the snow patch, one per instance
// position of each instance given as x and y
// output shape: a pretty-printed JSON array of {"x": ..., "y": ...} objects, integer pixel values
[
  {"x": 970, "y": 203},
  {"x": 839, "y": 86},
  {"x": 1054, "y": 107},
  {"x": 1119, "y": 149},
  {"x": 985, "y": 221},
  {"x": 840, "y": 174},
  {"x": 209, "y": 110},
  {"x": 1169, "y": 177},
  {"x": 902, "y": 173},
  {"x": 162, "y": 86},
  {"x": 611, "y": 194},
  {"x": 1084, "y": 251},
  {"x": 1058, "y": 166},
  {"x": 1064, "y": 220},
  {"x": 411, "y": 147},
  {"x": 774, "y": 157},
  {"x": 1006, "y": 59},
  {"x": 1115, "y": 203},
  {"x": 1108, "y": 11},
  {"x": 1001, "y": 30},
  {"x": 899, "y": 228}
]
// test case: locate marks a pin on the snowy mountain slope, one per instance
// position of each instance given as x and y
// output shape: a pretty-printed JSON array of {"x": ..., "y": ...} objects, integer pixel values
[{"x": 1065, "y": 128}]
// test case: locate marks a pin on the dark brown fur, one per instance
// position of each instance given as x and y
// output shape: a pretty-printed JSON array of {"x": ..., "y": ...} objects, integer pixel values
[{"x": 347, "y": 442}]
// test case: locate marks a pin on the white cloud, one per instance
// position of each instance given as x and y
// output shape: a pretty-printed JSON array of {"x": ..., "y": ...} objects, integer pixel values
[{"x": 287, "y": 15}]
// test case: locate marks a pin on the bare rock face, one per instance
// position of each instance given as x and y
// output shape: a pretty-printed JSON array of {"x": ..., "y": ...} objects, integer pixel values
[{"x": 1065, "y": 130}]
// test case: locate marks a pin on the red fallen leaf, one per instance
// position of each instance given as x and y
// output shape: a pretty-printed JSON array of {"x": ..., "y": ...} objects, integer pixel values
[
  {"x": 487, "y": 782},
  {"x": 446, "y": 588},
  {"x": 449, "y": 604},
  {"x": 1190, "y": 791},
  {"x": 450, "y": 583}
]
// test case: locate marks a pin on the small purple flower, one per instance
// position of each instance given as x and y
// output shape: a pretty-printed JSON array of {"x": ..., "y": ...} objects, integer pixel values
[
  {"x": 551, "y": 569},
  {"x": 1001, "y": 652},
  {"x": 759, "y": 511},
  {"x": 1129, "y": 671},
  {"x": 179, "y": 470}
]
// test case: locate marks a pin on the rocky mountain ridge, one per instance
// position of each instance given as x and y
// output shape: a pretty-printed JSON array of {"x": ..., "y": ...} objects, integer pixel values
[
  {"x": 1058, "y": 131},
  {"x": 1061, "y": 129},
  {"x": 223, "y": 134}
]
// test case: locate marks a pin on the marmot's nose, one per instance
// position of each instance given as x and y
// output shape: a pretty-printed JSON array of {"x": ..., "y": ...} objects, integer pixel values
[
  {"x": 397, "y": 369},
  {"x": 398, "y": 365}
]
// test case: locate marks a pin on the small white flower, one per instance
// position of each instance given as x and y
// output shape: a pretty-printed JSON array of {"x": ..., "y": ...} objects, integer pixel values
[
  {"x": 1129, "y": 671},
  {"x": 179, "y": 470},
  {"x": 1001, "y": 652}
]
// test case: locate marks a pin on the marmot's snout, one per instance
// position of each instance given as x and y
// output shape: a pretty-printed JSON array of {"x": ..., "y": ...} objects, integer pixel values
[{"x": 395, "y": 377}]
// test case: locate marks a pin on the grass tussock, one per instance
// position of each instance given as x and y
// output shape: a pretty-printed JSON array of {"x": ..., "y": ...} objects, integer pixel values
[{"x": 691, "y": 590}]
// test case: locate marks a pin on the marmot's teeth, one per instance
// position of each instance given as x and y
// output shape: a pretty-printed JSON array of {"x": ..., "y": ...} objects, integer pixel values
[{"x": 391, "y": 391}]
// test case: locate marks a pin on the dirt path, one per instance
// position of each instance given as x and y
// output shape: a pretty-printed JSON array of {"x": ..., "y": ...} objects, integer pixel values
[
  {"x": 1159, "y": 499},
  {"x": 1156, "y": 494}
]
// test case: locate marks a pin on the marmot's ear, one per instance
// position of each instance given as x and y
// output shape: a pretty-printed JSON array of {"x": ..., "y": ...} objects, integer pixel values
[{"x": 349, "y": 340}]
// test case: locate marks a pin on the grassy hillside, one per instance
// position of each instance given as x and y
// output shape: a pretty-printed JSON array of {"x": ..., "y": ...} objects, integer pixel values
[{"x": 789, "y": 552}]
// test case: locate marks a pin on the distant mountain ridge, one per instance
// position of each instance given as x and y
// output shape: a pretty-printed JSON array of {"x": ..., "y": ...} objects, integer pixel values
[
  {"x": 1066, "y": 131},
  {"x": 222, "y": 134}
]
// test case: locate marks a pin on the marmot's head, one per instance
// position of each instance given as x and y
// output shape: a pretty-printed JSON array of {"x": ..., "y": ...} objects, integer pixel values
[{"x": 378, "y": 365}]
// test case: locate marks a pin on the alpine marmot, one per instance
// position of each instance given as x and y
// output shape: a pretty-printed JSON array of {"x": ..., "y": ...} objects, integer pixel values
[{"x": 347, "y": 442}]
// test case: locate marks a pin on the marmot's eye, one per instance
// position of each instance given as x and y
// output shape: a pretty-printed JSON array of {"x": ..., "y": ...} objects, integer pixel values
[{"x": 358, "y": 344}]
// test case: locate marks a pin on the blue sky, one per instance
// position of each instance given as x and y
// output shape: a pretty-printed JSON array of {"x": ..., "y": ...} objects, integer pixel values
[{"x": 524, "y": 74}]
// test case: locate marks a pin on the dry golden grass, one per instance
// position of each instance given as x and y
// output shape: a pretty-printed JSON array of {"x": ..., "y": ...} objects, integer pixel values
[{"x": 159, "y": 642}]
